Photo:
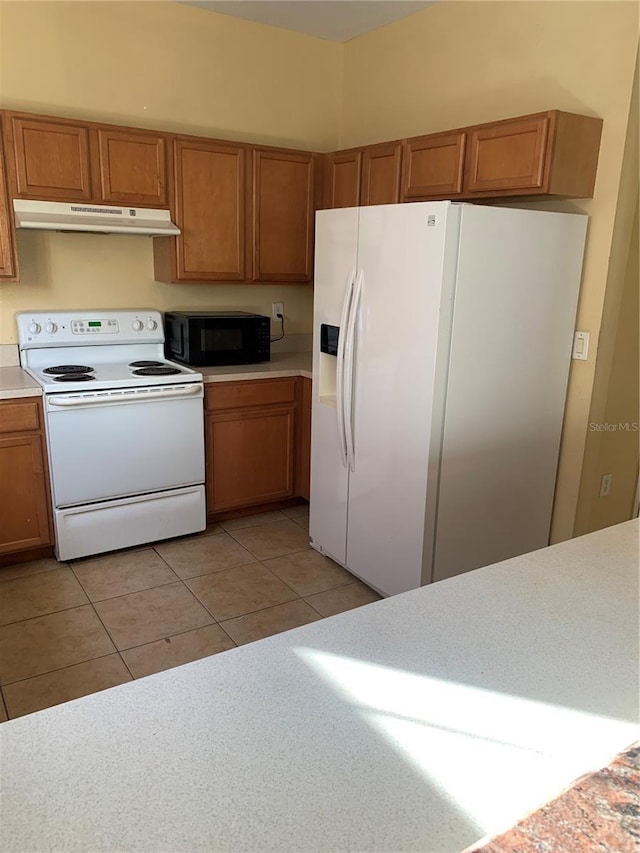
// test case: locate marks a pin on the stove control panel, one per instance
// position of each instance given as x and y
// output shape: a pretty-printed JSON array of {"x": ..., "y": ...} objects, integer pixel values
[
  {"x": 95, "y": 327},
  {"x": 69, "y": 328}
]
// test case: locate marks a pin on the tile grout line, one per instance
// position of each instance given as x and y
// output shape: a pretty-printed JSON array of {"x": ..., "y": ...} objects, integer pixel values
[
  {"x": 250, "y": 612},
  {"x": 57, "y": 669},
  {"x": 169, "y": 637}
]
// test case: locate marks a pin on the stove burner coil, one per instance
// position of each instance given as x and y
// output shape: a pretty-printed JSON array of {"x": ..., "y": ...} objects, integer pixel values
[
  {"x": 62, "y": 369},
  {"x": 157, "y": 371},
  {"x": 146, "y": 364},
  {"x": 75, "y": 377}
]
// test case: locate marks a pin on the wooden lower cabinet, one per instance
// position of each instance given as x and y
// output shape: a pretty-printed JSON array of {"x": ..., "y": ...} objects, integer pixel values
[
  {"x": 25, "y": 521},
  {"x": 303, "y": 439},
  {"x": 256, "y": 445}
]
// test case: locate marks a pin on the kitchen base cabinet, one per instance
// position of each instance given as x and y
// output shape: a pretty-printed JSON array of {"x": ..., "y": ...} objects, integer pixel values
[
  {"x": 257, "y": 449},
  {"x": 251, "y": 456},
  {"x": 303, "y": 439},
  {"x": 25, "y": 520}
]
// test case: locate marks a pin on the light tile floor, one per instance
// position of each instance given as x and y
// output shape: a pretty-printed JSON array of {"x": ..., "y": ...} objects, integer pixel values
[{"x": 67, "y": 630}]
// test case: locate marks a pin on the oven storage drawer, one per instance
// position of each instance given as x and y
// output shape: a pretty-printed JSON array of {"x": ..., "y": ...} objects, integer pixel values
[{"x": 110, "y": 525}]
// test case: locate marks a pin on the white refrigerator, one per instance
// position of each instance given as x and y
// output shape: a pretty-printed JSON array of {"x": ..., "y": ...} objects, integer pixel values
[{"x": 442, "y": 342}]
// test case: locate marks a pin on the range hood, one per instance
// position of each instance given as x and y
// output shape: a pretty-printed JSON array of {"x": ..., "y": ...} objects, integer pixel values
[{"x": 60, "y": 216}]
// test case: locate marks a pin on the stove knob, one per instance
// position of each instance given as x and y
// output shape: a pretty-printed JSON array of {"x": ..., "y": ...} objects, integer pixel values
[
  {"x": 152, "y": 325},
  {"x": 138, "y": 325},
  {"x": 50, "y": 328},
  {"x": 34, "y": 328}
]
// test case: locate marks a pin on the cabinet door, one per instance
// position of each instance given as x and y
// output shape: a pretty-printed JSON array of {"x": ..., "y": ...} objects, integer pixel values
[
  {"x": 24, "y": 521},
  {"x": 8, "y": 267},
  {"x": 51, "y": 158},
  {"x": 303, "y": 438},
  {"x": 508, "y": 155},
  {"x": 433, "y": 165},
  {"x": 343, "y": 179},
  {"x": 381, "y": 173},
  {"x": 250, "y": 456},
  {"x": 210, "y": 210},
  {"x": 133, "y": 167},
  {"x": 283, "y": 210}
]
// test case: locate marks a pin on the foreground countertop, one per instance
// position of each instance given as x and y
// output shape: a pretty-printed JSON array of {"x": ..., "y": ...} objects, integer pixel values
[
  {"x": 281, "y": 365},
  {"x": 422, "y": 722},
  {"x": 15, "y": 382}
]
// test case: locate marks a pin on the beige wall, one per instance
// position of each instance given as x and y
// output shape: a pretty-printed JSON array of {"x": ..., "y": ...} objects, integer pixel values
[
  {"x": 460, "y": 63},
  {"x": 615, "y": 448},
  {"x": 166, "y": 66}
]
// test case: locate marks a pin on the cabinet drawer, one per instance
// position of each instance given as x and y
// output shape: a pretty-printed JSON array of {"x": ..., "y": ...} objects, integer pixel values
[
  {"x": 239, "y": 395},
  {"x": 18, "y": 417}
]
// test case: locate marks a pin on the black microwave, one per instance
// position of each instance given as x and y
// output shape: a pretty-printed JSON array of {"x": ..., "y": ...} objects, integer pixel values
[{"x": 208, "y": 338}]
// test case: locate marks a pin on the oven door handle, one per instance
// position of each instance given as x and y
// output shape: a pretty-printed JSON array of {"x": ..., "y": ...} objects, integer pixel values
[{"x": 115, "y": 398}]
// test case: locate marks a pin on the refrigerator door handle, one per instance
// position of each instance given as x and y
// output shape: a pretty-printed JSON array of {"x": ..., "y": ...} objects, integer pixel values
[
  {"x": 342, "y": 335},
  {"x": 349, "y": 373}
]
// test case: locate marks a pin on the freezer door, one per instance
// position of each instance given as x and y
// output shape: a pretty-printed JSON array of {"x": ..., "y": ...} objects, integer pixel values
[
  {"x": 515, "y": 306},
  {"x": 335, "y": 268},
  {"x": 404, "y": 256}
]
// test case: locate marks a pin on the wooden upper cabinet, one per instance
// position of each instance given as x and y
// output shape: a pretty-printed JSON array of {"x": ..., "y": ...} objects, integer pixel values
[
  {"x": 433, "y": 165},
  {"x": 283, "y": 213},
  {"x": 8, "y": 265},
  {"x": 51, "y": 158},
  {"x": 210, "y": 210},
  {"x": 381, "y": 173},
  {"x": 553, "y": 153},
  {"x": 509, "y": 155},
  {"x": 133, "y": 167},
  {"x": 343, "y": 173}
]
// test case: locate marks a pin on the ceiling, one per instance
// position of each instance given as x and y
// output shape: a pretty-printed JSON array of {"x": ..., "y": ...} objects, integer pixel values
[{"x": 335, "y": 20}]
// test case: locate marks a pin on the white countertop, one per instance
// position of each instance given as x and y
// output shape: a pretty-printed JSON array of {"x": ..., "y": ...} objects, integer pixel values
[
  {"x": 15, "y": 382},
  {"x": 422, "y": 722},
  {"x": 281, "y": 364}
]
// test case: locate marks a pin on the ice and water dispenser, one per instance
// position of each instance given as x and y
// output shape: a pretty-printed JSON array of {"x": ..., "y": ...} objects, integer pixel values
[{"x": 329, "y": 336}]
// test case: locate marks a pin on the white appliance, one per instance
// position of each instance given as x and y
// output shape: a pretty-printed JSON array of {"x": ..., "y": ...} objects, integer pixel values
[
  {"x": 92, "y": 218},
  {"x": 436, "y": 425},
  {"x": 124, "y": 426}
]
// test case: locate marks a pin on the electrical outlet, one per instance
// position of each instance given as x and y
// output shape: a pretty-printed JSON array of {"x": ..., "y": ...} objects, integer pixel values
[
  {"x": 277, "y": 308},
  {"x": 605, "y": 485}
]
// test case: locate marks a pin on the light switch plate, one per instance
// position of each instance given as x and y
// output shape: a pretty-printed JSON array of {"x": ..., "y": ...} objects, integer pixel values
[{"x": 580, "y": 346}]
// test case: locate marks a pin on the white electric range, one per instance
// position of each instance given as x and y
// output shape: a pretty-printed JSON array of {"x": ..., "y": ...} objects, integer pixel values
[{"x": 124, "y": 426}]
